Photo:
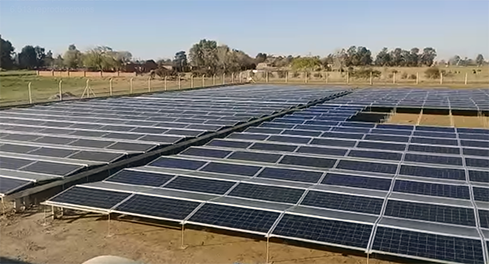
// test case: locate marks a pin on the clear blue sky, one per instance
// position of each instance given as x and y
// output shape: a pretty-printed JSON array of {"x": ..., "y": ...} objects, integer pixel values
[{"x": 159, "y": 28}]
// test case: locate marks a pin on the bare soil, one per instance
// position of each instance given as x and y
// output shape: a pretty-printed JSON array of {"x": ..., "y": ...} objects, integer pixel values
[
  {"x": 440, "y": 120},
  {"x": 36, "y": 238}
]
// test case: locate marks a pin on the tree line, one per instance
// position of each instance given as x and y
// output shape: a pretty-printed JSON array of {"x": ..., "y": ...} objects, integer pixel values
[{"x": 207, "y": 57}]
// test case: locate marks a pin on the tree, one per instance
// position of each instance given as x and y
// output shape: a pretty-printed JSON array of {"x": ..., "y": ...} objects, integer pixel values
[
  {"x": 455, "y": 60},
  {"x": 72, "y": 57},
  {"x": 48, "y": 59},
  {"x": 58, "y": 63},
  {"x": 306, "y": 63},
  {"x": 428, "y": 56},
  {"x": 364, "y": 57},
  {"x": 383, "y": 58},
  {"x": 260, "y": 57},
  {"x": 100, "y": 58},
  {"x": 28, "y": 58},
  {"x": 414, "y": 57},
  {"x": 204, "y": 55},
  {"x": 6, "y": 53},
  {"x": 180, "y": 62},
  {"x": 479, "y": 60}
]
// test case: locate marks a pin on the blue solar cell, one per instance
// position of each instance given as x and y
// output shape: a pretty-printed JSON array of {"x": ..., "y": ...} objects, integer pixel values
[
  {"x": 432, "y": 189},
  {"x": 140, "y": 178},
  {"x": 434, "y": 134},
  {"x": 436, "y": 129},
  {"x": 382, "y": 146},
  {"x": 476, "y": 152},
  {"x": 333, "y": 142},
  {"x": 484, "y": 218},
  {"x": 229, "y": 143},
  {"x": 255, "y": 156},
  {"x": 447, "y": 160},
  {"x": 367, "y": 166},
  {"x": 289, "y": 139},
  {"x": 247, "y": 136},
  {"x": 375, "y": 155},
  {"x": 482, "y": 163},
  {"x": 301, "y": 133},
  {"x": 244, "y": 170},
  {"x": 204, "y": 152},
  {"x": 177, "y": 163},
  {"x": 273, "y": 147},
  {"x": 200, "y": 185},
  {"x": 474, "y": 143},
  {"x": 291, "y": 175},
  {"x": 433, "y": 149},
  {"x": 311, "y": 127},
  {"x": 434, "y": 141},
  {"x": 343, "y": 202},
  {"x": 342, "y": 135},
  {"x": 481, "y": 194},
  {"x": 357, "y": 181},
  {"x": 308, "y": 161},
  {"x": 267, "y": 193},
  {"x": 390, "y": 132},
  {"x": 387, "y": 138},
  {"x": 262, "y": 130},
  {"x": 322, "y": 151},
  {"x": 388, "y": 126},
  {"x": 479, "y": 176},
  {"x": 442, "y": 173}
]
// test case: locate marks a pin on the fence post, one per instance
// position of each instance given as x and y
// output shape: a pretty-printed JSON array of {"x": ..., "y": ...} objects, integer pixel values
[
  {"x": 347, "y": 77},
  {"x": 394, "y": 77},
  {"x": 213, "y": 79},
  {"x": 30, "y": 92},
  {"x": 130, "y": 81},
  {"x": 179, "y": 82},
  {"x": 149, "y": 84},
  {"x": 441, "y": 78},
  {"x": 203, "y": 80},
  {"x": 286, "y": 77},
  {"x": 60, "y": 90},
  {"x": 327, "y": 77},
  {"x": 192, "y": 81},
  {"x": 110, "y": 86},
  {"x": 165, "y": 82},
  {"x": 466, "y": 78},
  {"x": 266, "y": 76},
  {"x": 305, "y": 77},
  {"x": 371, "y": 78},
  {"x": 223, "y": 78},
  {"x": 232, "y": 77},
  {"x": 417, "y": 77}
]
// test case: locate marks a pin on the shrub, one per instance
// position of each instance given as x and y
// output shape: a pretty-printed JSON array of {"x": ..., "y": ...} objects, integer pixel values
[
  {"x": 318, "y": 75},
  {"x": 404, "y": 75},
  {"x": 295, "y": 74},
  {"x": 432, "y": 73},
  {"x": 365, "y": 73},
  {"x": 394, "y": 71},
  {"x": 281, "y": 74},
  {"x": 412, "y": 76}
]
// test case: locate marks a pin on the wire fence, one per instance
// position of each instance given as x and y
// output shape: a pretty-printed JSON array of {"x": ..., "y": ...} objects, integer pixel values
[
  {"x": 412, "y": 78},
  {"x": 46, "y": 89}
]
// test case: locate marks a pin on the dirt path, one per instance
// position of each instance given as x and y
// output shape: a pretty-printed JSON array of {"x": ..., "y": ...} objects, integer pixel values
[{"x": 74, "y": 239}]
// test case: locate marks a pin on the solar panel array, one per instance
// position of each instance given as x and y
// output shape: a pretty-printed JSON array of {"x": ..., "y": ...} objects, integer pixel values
[
  {"x": 463, "y": 99},
  {"x": 414, "y": 191},
  {"x": 49, "y": 142}
]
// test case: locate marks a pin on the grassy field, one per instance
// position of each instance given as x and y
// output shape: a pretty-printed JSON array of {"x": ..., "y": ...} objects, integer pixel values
[{"x": 14, "y": 86}]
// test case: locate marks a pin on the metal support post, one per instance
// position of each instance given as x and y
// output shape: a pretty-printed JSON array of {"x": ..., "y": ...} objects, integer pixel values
[
  {"x": 232, "y": 77},
  {"x": 203, "y": 80},
  {"x": 53, "y": 213},
  {"x": 130, "y": 89},
  {"x": 182, "y": 245},
  {"x": 268, "y": 251},
  {"x": 30, "y": 92},
  {"x": 191, "y": 81},
  {"x": 110, "y": 86},
  {"x": 223, "y": 78},
  {"x": 286, "y": 77},
  {"x": 60, "y": 90},
  {"x": 149, "y": 84},
  {"x": 165, "y": 83}
]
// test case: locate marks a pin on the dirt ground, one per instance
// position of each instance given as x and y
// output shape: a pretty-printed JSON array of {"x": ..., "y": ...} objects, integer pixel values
[
  {"x": 35, "y": 238},
  {"x": 439, "y": 120}
]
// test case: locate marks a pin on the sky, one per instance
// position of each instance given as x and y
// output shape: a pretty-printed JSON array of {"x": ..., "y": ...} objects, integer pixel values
[{"x": 155, "y": 29}]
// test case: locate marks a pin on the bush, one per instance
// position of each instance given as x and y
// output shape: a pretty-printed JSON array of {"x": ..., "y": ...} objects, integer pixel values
[
  {"x": 317, "y": 75},
  {"x": 432, "y": 73},
  {"x": 295, "y": 74},
  {"x": 394, "y": 71},
  {"x": 412, "y": 76},
  {"x": 404, "y": 75},
  {"x": 365, "y": 73}
]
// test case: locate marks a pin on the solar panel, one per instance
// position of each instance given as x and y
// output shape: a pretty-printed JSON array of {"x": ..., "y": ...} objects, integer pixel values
[
  {"x": 248, "y": 136},
  {"x": 289, "y": 139},
  {"x": 387, "y": 138},
  {"x": 482, "y": 163},
  {"x": 433, "y": 149},
  {"x": 322, "y": 230},
  {"x": 297, "y": 132},
  {"x": 484, "y": 218},
  {"x": 367, "y": 166},
  {"x": 235, "y": 217},
  {"x": 381, "y": 146},
  {"x": 432, "y": 189},
  {"x": 140, "y": 178},
  {"x": 75, "y": 142},
  {"x": 177, "y": 163},
  {"x": 273, "y": 147},
  {"x": 12, "y": 163},
  {"x": 481, "y": 194},
  {"x": 200, "y": 185},
  {"x": 267, "y": 193},
  {"x": 474, "y": 143},
  {"x": 10, "y": 184},
  {"x": 17, "y": 148},
  {"x": 431, "y": 212},
  {"x": 375, "y": 155},
  {"x": 429, "y": 172},
  {"x": 308, "y": 161},
  {"x": 214, "y": 153},
  {"x": 90, "y": 197},
  {"x": 433, "y": 141},
  {"x": 357, "y": 181},
  {"x": 430, "y": 246},
  {"x": 46, "y": 167},
  {"x": 333, "y": 142},
  {"x": 97, "y": 156},
  {"x": 342, "y": 135},
  {"x": 479, "y": 176},
  {"x": 291, "y": 175},
  {"x": 447, "y": 160},
  {"x": 244, "y": 170},
  {"x": 322, "y": 151},
  {"x": 157, "y": 207},
  {"x": 229, "y": 143},
  {"x": 343, "y": 202},
  {"x": 255, "y": 156},
  {"x": 131, "y": 146},
  {"x": 476, "y": 152}
]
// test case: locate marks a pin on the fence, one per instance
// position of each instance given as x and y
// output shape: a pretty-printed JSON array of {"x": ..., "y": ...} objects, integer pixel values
[
  {"x": 56, "y": 89},
  {"x": 84, "y": 74},
  {"x": 393, "y": 78}
]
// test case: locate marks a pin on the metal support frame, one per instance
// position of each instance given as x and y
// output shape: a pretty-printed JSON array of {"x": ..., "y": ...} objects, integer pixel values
[
  {"x": 164, "y": 82},
  {"x": 179, "y": 83},
  {"x": 203, "y": 80},
  {"x": 130, "y": 83},
  {"x": 108, "y": 226},
  {"x": 60, "y": 90},
  {"x": 268, "y": 250},
  {"x": 88, "y": 90},
  {"x": 30, "y": 92},
  {"x": 110, "y": 86},
  {"x": 182, "y": 245},
  {"x": 149, "y": 84}
]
